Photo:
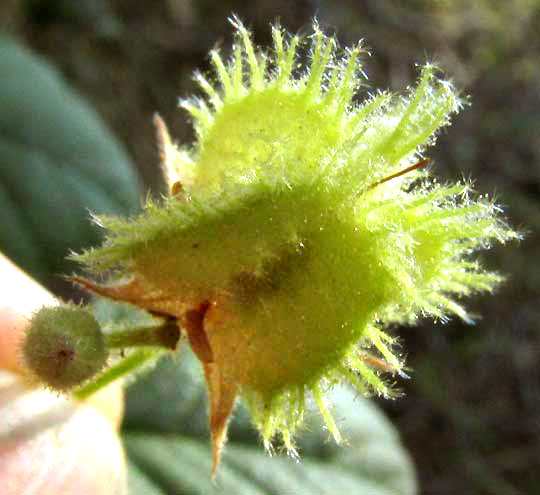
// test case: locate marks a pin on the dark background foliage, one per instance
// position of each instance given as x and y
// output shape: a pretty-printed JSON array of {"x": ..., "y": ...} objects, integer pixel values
[{"x": 471, "y": 416}]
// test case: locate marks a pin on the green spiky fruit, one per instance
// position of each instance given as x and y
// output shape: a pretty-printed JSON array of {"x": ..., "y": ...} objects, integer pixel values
[
  {"x": 64, "y": 346},
  {"x": 291, "y": 237}
]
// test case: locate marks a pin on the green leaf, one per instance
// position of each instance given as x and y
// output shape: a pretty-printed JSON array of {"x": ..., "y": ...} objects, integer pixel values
[
  {"x": 140, "y": 483},
  {"x": 167, "y": 439},
  {"x": 181, "y": 465},
  {"x": 57, "y": 162}
]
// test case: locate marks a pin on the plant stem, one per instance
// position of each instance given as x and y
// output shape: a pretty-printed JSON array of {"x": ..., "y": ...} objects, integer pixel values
[
  {"x": 115, "y": 372},
  {"x": 165, "y": 335},
  {"x": 151, "y": 338}
]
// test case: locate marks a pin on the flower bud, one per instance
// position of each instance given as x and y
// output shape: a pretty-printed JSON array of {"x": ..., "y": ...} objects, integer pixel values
[{"x": 64, "y": 346}]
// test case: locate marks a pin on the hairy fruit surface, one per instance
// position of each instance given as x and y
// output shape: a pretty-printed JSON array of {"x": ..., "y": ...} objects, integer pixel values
[{"x": 292, "y": 237}]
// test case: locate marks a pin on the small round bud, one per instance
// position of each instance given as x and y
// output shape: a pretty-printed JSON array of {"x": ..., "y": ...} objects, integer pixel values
[{"x": 64, "y": 346}]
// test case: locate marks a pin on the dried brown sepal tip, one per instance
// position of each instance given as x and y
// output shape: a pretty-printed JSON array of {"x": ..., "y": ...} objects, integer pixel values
[
  {"x": 64, "y": 346},
  {"x": 222, "y": 390},
  {"x": 167, "y": 151}
]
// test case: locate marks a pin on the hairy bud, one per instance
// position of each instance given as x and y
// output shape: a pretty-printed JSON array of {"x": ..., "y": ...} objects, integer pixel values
[{"x": 64, "y": 346}]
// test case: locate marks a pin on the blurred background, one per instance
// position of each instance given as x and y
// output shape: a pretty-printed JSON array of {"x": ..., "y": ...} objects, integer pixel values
[{"x": 471, "y": 415}]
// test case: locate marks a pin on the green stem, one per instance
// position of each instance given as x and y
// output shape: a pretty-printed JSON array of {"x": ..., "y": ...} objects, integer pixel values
[
  {"x": 165, "y": 335},
  {"x": 123, "y": 367}
]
